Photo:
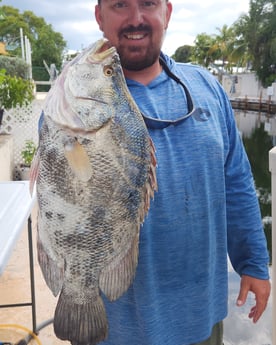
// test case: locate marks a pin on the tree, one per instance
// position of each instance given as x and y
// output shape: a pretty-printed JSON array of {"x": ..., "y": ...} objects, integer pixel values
[
  {"x": 250, "y": 41},
  {"x": 224, "y": 44},
  {"x": 14, "y": 91},
  {"x": 240, "y": 53},
  {"x": 14, "y": 66},
  {"x": 205, "y": 51},
  {"x": 46, "y": 44},
  {"x": 222, "y": 51},
  {"x": 258, "y": 29},
  {"x": 183, "y": 54}
]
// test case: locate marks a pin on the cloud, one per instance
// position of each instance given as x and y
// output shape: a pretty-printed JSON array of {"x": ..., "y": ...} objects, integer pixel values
[{"x": 75, "y": 20}]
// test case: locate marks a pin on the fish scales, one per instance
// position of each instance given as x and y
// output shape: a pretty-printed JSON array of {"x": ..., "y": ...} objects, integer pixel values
[{"x": 95, "y": 176}]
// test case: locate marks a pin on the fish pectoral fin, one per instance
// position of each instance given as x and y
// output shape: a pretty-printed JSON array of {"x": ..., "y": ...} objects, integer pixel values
[
  {"x": 78, "y": 322},
  {"x": 116, "y": 278},
  {"x": 34, "y": 172},
  {"x": 78, "y": 160}
]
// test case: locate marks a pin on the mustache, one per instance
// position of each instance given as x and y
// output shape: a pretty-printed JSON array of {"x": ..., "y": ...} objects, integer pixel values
[{"x": 131, "y": 29}]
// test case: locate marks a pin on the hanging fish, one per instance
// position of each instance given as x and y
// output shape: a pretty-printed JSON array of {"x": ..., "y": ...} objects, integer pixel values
[{"x": 95, "y": 175}]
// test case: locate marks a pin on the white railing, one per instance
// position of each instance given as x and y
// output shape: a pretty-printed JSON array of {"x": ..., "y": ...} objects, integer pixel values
[{"x": 272, "y": 168}]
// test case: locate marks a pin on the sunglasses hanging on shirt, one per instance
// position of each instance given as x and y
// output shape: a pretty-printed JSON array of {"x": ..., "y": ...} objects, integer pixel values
[{"x": 198, "y": 113}]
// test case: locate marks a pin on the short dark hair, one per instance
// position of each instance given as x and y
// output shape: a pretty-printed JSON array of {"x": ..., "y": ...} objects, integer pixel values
[{"x": 99, "y": 1}]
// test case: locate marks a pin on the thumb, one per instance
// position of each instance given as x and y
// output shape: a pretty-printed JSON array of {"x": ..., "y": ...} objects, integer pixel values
[{"x": 244, "y": 289}]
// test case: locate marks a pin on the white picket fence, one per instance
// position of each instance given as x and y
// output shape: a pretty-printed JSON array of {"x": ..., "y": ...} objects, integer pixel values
[{"x": 22, "y": 125}]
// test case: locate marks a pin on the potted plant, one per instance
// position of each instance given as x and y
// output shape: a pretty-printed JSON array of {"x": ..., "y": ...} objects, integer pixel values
[
  {"x": 14, "y": 91},
  {"x": 27, "y": 155}
]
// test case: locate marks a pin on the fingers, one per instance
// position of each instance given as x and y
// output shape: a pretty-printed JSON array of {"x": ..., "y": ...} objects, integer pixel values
[
  {"x": 244, "y": 289},
  {"x": 252, "y": 312},
  {"x": 261, "y": 303},
  {"x": 261, "y": 289},
  {"x": 255, "y": 313}
]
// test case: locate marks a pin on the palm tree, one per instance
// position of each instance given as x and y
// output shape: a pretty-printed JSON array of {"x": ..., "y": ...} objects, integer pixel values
[
  {"x": 224, "y": 43},
  {"x": 258, "y": 30},
  {"x": 204, "y": 52}
]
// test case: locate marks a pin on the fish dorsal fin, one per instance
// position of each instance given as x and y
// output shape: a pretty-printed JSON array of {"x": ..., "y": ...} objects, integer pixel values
[{"x": 78, "y": 160}]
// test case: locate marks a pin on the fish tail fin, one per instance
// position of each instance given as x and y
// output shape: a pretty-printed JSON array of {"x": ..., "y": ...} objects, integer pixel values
[{"x": 81, "y": 323}]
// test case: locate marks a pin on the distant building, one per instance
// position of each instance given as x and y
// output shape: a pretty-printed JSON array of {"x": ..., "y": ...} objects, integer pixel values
[
  {"x": 247, "y": 85},
  {"x": 3, "y": 49}
]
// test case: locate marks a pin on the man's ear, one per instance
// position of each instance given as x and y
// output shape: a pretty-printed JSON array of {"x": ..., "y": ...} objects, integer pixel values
[
  {"x": 98, "y": 16},
  {"x": 168, "y": 14}
]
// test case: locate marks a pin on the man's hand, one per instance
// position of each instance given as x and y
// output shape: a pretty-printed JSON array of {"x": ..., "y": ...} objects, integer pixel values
[{"x": 260, "y": 288}]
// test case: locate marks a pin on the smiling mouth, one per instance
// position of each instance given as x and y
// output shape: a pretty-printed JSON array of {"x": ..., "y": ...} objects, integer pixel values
[
  {"x": 136, "y": 33},
  {"x": 135, "y": 37}
]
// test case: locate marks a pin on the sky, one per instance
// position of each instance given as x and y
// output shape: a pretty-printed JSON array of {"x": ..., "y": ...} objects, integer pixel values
[{"x": 75, "y": 19}]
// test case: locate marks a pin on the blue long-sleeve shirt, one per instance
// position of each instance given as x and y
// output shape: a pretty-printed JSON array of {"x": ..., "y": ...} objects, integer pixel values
[{"x": 205, "y": 206}]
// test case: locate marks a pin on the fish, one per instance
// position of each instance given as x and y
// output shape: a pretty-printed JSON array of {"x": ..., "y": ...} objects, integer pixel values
[{"x": 95, "y": 177}]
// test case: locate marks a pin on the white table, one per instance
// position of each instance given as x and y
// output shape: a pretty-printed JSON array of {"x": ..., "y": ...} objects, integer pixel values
[{"x": 16, "y": 205}]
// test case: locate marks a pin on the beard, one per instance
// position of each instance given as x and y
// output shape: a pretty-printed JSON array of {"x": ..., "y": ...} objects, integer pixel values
[
  {"x": 140, "y": 59},
  {"x": 134, "y": 57}
]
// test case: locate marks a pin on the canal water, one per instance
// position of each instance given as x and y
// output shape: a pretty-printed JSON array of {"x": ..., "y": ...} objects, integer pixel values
[{"x": 258, "y": 133}]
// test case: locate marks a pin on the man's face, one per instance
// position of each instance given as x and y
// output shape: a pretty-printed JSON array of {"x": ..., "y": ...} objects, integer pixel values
[{"x": 136, "y": 28}]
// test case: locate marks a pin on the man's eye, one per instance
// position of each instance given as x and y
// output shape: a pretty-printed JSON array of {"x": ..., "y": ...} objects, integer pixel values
[
  {"x": 148, "y": 4},
  {"x": 119, "y": 4}
]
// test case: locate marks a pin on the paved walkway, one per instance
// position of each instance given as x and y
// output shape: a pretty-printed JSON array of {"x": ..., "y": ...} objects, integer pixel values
[{"x": 15, "y": 288}]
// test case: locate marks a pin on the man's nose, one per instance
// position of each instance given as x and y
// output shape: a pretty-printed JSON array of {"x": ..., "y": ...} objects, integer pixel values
[{"x": 135, "y": 15}]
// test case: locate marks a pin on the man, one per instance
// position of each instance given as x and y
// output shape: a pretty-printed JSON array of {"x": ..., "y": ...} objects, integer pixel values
[{"x": 206, "y": 204}]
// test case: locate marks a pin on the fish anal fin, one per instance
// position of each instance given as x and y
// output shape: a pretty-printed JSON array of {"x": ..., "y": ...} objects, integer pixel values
[
  {"x": 81, "y": 323},
  {"x": 116, "y": 278},
  {"x": 52, "y": 273},
  {"x": 78, "y": 160}
]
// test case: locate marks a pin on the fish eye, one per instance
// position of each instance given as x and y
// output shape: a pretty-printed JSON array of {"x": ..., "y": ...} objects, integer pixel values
[{"x": 108, "y": 71}]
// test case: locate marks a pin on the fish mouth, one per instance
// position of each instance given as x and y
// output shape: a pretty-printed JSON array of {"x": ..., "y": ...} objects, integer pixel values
[{"x": 103, "y": 49}]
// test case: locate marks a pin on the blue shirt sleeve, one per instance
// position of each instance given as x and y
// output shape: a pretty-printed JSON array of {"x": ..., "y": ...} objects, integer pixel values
[{"x": 247, "y": 247}]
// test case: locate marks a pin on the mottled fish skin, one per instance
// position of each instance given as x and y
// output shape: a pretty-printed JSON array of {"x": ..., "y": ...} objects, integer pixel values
[{"x": 95, "y": 176}]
